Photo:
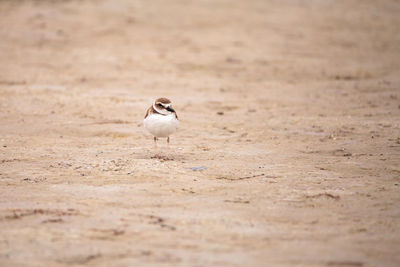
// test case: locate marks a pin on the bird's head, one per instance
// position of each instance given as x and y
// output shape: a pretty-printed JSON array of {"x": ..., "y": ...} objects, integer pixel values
[{"x": 163, "y": 106}]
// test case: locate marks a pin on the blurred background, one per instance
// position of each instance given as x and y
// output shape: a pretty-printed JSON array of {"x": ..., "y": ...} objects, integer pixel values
[{"x": 287, "y": 152}]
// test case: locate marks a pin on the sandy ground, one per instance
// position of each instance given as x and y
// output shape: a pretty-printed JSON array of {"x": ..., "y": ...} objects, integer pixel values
[{"x": 288, "y": 152}]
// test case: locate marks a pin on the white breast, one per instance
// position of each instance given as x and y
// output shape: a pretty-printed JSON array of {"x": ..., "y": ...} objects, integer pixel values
[{"x": 161, "y": 125}]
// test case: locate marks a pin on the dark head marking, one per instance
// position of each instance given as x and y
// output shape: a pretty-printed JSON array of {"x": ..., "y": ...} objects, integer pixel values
[{"x": 163, "y": 100}]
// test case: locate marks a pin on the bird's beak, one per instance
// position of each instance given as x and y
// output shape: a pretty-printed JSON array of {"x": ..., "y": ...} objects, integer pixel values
[{"x": 170, "y": 109}]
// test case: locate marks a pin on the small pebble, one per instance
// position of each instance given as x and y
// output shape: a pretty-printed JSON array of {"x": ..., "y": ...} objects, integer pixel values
[{"x": 200, "y": 168}]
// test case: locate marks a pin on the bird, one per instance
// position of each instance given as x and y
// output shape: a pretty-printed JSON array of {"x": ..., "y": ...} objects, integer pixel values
[{"x": 161, "y": 121}]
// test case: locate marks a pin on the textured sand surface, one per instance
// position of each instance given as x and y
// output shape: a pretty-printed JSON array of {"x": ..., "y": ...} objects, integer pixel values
[{"x": 288, "y": 152}]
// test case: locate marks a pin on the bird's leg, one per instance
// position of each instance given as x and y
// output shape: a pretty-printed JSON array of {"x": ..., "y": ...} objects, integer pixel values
[
  {"x": 167, "y": 145},
  {"x": 155, "y": 146}
]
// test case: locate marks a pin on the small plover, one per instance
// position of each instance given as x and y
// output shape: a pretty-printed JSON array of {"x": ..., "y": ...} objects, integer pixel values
[{"x": 161, "y": 120}]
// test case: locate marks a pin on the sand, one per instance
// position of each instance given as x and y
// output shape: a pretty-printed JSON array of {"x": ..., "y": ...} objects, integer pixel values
[{"x": 288, "y": 151}]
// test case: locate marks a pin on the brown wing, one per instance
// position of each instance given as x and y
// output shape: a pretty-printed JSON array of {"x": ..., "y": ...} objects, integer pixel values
[
  {"x": 149, "y": 111},
  {"x": 176, "y": 116}
]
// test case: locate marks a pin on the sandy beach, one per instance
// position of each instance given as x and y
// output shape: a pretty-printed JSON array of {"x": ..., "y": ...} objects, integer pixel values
[{"x": 288, "y": 151}]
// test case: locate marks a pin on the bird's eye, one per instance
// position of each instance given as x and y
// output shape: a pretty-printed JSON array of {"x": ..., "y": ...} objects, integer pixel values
[{"x": 159, "y": 105}]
